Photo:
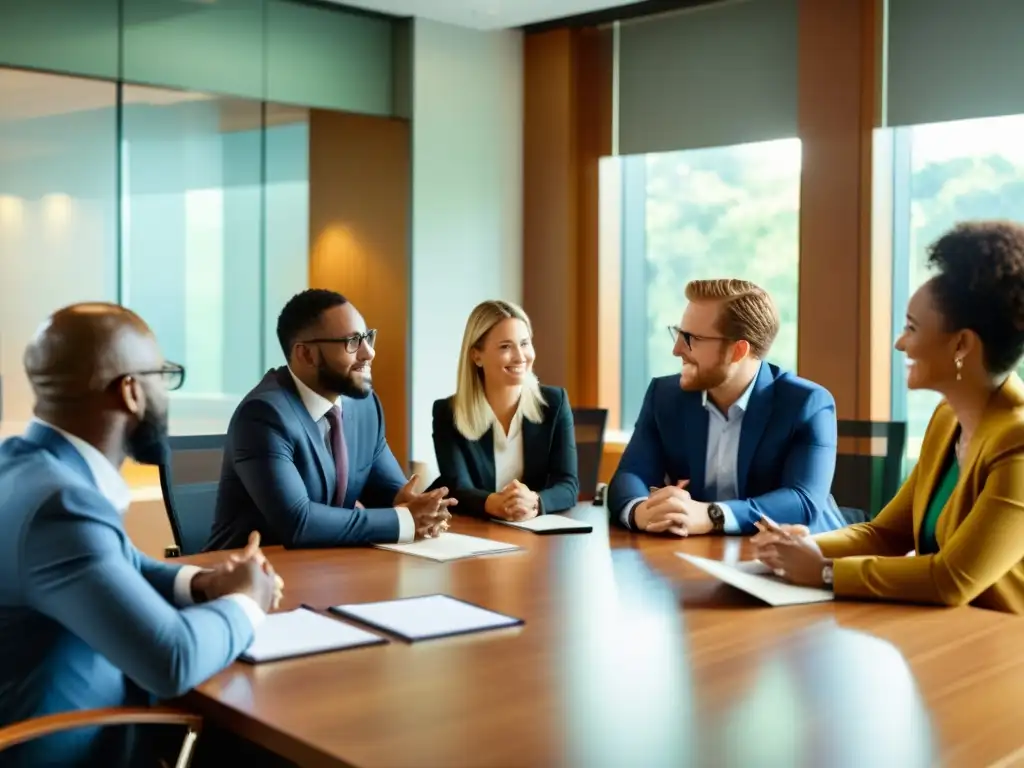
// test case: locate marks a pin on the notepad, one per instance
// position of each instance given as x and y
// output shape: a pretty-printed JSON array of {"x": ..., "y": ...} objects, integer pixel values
[
  {"x": 424, "y": 618},
  {"x": 451, "y": 546},
  {"x": 303, "y": 632},
  {"x": 755, "y": 578},
  {"x": 544, "y": 524}
]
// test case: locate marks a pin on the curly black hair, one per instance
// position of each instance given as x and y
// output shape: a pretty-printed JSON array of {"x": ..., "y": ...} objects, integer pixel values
[
  {"x": 980, "y": 286},
  {"x": 301, "y": 312}
]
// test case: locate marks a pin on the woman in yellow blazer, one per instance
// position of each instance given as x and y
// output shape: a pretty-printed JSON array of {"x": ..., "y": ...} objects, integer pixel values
[{"x": 960, "y": 513}]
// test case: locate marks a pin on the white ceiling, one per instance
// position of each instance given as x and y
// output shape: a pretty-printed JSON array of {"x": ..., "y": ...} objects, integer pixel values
[{"x": 486, "y": 14}]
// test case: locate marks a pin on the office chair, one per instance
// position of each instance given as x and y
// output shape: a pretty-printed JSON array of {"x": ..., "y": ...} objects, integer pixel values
[
  {"x": 189, "y": 483},
  {"x": 866, "y": 482},
  {"x": 590, "y": 424}
]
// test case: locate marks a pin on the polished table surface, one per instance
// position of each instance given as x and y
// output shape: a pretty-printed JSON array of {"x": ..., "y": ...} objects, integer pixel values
[{"x": 629, "y": 657}]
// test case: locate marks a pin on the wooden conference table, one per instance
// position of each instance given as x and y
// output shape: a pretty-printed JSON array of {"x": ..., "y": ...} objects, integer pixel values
[{"x": 629, "y": 657}]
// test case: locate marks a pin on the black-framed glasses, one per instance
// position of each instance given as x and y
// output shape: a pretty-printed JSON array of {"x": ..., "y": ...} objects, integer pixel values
[
  {"x": 173, "y": 375},
  {"x": 688, "y": 338},
  {"x": 352, "y": 343}
]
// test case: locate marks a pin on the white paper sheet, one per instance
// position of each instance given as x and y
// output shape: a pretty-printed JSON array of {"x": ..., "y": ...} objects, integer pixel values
[
  {"x": 420, "y": 618},
  {"x": 755, "y": 578},
  {"x": 549, "y": 524},
  {"x": 302, "y": 632},
  {"x": 451, "y": 546}
]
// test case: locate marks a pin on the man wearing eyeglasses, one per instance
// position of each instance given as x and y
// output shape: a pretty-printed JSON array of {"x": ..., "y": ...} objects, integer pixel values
[
  {"x": 733, "y": 437},
  {"x": 86, "y": 620},
  {"x": 306, "y": 462}
]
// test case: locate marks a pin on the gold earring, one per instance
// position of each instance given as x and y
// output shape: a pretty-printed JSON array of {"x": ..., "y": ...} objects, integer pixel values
[{"x": 959, "y": 362}]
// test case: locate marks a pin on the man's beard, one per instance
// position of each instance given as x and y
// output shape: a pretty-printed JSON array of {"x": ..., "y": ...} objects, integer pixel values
[
  {"x": 704, "y": 380},
  {"x": 148, "y": 443},
  {"x": 342, "y": 383}
]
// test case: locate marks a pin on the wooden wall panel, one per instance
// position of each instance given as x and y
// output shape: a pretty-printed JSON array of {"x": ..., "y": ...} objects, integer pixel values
[
  {"x": 840, "y": 344},
  {"x": 360, "y": 193},
  {"x": 567, "y": 128}
]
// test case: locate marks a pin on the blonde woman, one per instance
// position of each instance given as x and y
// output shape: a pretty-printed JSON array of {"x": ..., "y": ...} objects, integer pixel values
[{"x": 504, "y": 443}]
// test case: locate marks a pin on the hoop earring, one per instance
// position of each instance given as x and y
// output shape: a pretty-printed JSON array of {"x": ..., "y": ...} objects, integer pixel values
[{"x": 959, "y": 362}]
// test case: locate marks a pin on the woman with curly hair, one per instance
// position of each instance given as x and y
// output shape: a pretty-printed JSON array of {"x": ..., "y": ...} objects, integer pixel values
[{"x": 960, "y": 513}]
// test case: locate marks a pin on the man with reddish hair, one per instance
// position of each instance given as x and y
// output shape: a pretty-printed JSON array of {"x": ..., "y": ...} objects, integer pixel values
[{"x": 733, "y": 437}]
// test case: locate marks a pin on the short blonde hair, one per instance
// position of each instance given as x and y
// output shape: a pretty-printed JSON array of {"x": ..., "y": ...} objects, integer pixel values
[
  {"x": 473, "y": 416},
  {"x": 747, "y": 311}
]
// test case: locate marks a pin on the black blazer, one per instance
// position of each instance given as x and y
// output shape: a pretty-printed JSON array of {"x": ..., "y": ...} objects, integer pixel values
[{"x": 549, "y": 457}]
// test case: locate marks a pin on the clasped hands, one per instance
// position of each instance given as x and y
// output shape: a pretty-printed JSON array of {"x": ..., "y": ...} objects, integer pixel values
[
  {"x": 429, "y": 510},
  {"x": 790, "y": 552},
  {"x": 247, "y": 572},
  {"x": 671, "y": 509},
  {"x": 514, "y": 502}
]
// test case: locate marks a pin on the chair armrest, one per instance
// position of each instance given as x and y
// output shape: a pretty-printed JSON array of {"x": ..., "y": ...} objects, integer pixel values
[{"x": 46, "y": 725}]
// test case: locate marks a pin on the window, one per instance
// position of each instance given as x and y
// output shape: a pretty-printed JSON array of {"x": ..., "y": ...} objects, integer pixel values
[
  {"x": 704, "y": 213},
  {"x": 945, "y": 173}
]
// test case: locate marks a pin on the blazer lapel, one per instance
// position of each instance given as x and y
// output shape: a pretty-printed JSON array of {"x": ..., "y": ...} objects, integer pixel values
[
  {"x": 755, "y": 421},
  {"x": 485, "y": 457},
  {"x": 930, "y": 464},
  {"x": 693, "y": 428},
  {"x": 326, "y": 462},
  {"x": 535, "y": 454}
]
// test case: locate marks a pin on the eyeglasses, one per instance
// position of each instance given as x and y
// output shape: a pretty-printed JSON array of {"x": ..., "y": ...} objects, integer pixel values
[
  {"x": 352, "y": 343},
  {"x": 173, "y": 375},
  {"x": 675, "y": 332}
]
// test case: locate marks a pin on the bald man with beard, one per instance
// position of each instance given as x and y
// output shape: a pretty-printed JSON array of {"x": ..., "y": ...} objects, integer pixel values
[{"x": 86, "y": 620}]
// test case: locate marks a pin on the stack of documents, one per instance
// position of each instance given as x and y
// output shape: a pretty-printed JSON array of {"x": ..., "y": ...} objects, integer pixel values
[
  {"x": 423, "y": 618},
  {"x": 451, "y": 546},
  {"x": 549, "y": 524},
  {"x": 755, "y": 578},
  {"x": 303, "y": 632}
]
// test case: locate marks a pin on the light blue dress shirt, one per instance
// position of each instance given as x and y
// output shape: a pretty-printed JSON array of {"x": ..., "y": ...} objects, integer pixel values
[{"x": 723, "y": 452}]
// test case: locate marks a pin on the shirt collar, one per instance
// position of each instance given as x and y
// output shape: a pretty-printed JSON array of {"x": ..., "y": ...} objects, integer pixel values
[
  {"x": 514, "y": 428},
  {"x": 740, "y": 406},
  {"x": 106, "y": 476},
  {"x": 317, "y": 405}
]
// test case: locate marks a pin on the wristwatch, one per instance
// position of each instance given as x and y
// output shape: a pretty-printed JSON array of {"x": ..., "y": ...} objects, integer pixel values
[
  {"x": 717, "y": 518},
  {"x": 827, "y": 574}
]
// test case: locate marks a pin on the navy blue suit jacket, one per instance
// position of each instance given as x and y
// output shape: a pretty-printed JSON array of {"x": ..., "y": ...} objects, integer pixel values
[
  {"x": 787, "y": 452},
  {"x": 86, "y": 620},
  {"x": 279, "y": 477}
]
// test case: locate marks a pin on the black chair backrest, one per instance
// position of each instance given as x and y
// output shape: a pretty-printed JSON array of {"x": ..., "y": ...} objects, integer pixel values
[
  {"x": 590, "y": 424},
  {"x": 867, "y": 478},
  {"x": 189, "y": 483}
]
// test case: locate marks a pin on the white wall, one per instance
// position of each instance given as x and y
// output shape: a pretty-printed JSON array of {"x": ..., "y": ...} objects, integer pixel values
[{"x": 467, "y": 197}]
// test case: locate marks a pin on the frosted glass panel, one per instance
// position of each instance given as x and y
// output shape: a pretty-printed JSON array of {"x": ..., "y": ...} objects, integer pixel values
[
  {"x": 65, "y": 35},
  {"x": 321, "y": 57},
  {"x": 191, "y": 250},
  {"x": 287, "y": 216},
  {"x": 58, "y": 190},
  {"x": 214, "y": 47}
]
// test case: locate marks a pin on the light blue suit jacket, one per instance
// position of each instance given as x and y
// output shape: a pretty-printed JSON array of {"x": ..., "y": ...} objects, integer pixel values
[{"x": 86, "y": 620}]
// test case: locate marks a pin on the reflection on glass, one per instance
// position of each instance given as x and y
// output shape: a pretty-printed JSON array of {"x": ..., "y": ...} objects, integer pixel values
[
  {"x": 966, "y": 169},
  {"x": 286, "y": 224},
  {"x": 191, "y": 241},
  {"x": 722, "y": 212},
  {"x": 58, "y": 212}
]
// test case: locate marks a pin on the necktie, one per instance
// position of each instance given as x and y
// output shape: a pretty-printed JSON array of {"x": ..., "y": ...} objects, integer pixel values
[{"x": 340, "y": 451}]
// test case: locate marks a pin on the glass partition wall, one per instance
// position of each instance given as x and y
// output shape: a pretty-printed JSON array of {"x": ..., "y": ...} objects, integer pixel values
[{"x": 155, "y": 153}]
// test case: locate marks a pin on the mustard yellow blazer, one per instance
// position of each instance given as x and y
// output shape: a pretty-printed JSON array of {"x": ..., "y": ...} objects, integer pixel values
[{"x": 980, "y": 532}]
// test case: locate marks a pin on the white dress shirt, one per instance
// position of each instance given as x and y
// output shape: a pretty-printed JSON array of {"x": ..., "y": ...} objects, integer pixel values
[
  {"x": 508, "y": 451},
  {"x": 722, "y": 458},
  {"x": 113, "y": 487},
  {"x": 318, "y": 406}
]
